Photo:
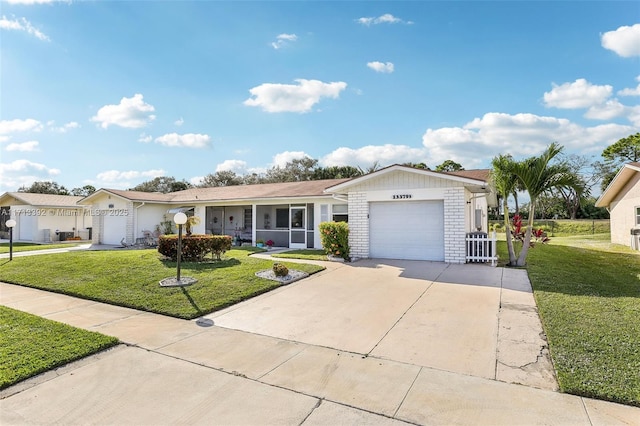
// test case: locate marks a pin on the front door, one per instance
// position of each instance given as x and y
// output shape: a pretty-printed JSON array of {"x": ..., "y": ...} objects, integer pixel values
[{"x": 298, "y": 227}]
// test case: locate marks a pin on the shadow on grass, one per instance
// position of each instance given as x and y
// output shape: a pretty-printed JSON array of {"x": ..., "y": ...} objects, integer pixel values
[{"x": 191, "y": 301}]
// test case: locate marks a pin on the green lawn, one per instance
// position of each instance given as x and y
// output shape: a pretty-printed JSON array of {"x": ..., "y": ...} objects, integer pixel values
[
  {"x": 307, "y": 254},
  {"x": 588, "y": 295},
  {"x": 130, "y": 278},
  {"x": 4, "y": 247},
  {"x": 30, "y": 345}
]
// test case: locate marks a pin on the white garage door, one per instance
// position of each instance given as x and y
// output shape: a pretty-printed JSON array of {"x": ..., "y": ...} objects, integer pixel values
[
  {"x": 115, "y": 229},
  {"x": 407, "y": 230}
]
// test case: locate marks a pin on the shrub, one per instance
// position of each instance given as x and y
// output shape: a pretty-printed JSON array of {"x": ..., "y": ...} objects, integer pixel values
[
  {"x": 280, "y": 270},
  {"x": 335, "y": 238},
  {"x": 194, "y": 247}
]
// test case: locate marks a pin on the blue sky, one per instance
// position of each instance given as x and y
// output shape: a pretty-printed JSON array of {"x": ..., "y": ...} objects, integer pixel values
[{"x": 116, "y": 93}]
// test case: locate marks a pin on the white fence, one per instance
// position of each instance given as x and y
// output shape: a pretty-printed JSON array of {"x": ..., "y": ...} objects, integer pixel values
[{"x": 481, "y": 247}]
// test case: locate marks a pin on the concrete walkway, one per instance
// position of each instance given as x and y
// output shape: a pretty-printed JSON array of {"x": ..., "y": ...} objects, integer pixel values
[{"x": 243, "y": 365}]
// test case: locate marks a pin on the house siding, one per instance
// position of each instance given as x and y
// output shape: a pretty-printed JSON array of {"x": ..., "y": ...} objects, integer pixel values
[
  {"x": 454, "y": 225},
  {"x": 622, "y": 210}
]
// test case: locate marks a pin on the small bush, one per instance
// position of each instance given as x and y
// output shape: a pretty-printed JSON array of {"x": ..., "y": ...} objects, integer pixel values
[
  {"x": 194, "y": 247},
  {"x": 335, "y": 238},
  {"x": 280, "y": 270}
]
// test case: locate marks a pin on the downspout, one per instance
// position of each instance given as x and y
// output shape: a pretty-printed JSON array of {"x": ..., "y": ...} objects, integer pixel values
[
  {"x": 136, "y": 220},
  {"x": 337, "y": 197}
]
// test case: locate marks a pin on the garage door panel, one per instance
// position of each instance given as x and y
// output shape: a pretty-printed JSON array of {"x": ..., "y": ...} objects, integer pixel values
[
  {"x": 115, "y": 229},
  {"x": 407, "y": 230}
]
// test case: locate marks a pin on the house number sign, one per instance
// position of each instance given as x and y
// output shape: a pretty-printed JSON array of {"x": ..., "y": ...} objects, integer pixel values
[{"x": 400, "y": 196}]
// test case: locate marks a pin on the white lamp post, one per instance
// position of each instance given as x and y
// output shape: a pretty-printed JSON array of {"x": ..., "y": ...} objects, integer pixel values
[
  {"x": 10, "y": 224},
  {"x": 180, "y": 219}
]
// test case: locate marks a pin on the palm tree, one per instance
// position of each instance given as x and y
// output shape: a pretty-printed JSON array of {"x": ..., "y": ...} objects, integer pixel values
[
  {"x": 505, "y": 184},
  {"x": 538, "y": 176}
]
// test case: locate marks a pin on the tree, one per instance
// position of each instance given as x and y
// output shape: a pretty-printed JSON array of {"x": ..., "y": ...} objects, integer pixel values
[
  {"x": 336, "y": 172},
  {"x": 84, "y": 191},
  {"x": 417, "y": 165},
  {"x": 538, "y": 176},
  {"x": 163, "y": 184},
  {"x": 505, "y": 182},
  {"x": 587, "y": 177},
  {"x": 623, "y": 151},
  {"x": 221, "y": 178},
  {"x": 45, "y": 187},
  {"x": 449, "y": 166},
  {"x": 298, "y": 170}
]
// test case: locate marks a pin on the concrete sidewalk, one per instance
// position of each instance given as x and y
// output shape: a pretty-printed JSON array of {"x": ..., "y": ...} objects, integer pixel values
[{"x": 174, "y": 371}]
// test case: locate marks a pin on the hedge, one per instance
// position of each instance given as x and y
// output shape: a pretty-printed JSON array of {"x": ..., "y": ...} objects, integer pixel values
[
  {"x": 194, "y": 247},
  {"x": 335, "y": 238}
]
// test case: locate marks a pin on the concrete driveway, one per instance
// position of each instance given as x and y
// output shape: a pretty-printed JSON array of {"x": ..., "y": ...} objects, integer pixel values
[
  {"x": 470, "y": 319},
  {"x": 380, "y": 343}
]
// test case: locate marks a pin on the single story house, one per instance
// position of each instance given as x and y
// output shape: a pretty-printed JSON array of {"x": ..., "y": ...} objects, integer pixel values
[
  {"x": 397, "y": 212},
  {"x": 622, "y": 199},
  {"x": 44, "y": 217}
]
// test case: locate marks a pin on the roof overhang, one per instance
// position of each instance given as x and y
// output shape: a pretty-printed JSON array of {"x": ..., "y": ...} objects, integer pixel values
[
  {"x": 473, "y": 185},
  {"x": 623, "y": 176}
]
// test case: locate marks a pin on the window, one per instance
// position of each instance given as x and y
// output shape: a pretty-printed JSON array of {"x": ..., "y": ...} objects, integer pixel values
[
  {"x": 340, "y": 212},
  {"x": 324, "y": 212},
  {"x": 282, "y": 218},
  {"x": 637, "y": 216}
]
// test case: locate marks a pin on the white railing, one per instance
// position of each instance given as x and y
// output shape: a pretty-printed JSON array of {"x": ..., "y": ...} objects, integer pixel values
[{"x": 481, "y": 247}]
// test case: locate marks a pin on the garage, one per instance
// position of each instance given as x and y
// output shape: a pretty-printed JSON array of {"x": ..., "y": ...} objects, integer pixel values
[
  {"x": 411, "y": 230},
  {"x": 115, "y": 229}
]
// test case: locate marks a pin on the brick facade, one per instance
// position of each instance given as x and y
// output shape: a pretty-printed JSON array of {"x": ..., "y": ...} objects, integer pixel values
[
  {"x": 358, "y": 225},
  {"x": 454, "y": 225}
]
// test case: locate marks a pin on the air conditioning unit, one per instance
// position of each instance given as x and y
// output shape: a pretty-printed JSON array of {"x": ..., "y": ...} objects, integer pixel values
[{"x": 635, "y": 238}]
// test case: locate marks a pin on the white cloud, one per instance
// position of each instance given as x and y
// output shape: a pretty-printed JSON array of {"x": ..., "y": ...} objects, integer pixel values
[
  {"x": 64, "y": 128},
  {"x": 387, "y": 18},
  {"x": 579, "y": 94},
  {"x": 384, "y": 67},
  {"x": 120, "y": 179},
  {"x": 23, "y": 147},
  {"x": 130, "y": 113},
  {"x": 481, "y": 139},
  {"x": 631, "y": 92},
  {"x": 301, "y": 97},
  {"x": 606, "y": 111},
  {"x": 179, "y": 122},
  {"x": 17, "y": 125},
  {"x": 281, "y": 159},
  {"x": 625, "y": 41},
  {"x": 24, "y": 172},
  {"x": 366, "y": 156},
  {"x": 144, "y": 138},
  {"x": 188, "y": 140},
  {"x": 237, "y": 166},
  {"x": 21, "y": 24},
  {"x": 283, "y": 40}
]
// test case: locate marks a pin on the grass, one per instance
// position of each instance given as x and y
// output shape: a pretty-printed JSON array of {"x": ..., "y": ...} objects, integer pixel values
[
  {"x": 130, "y": 278},
  {"x": 4, "y": 247},
  {"x": 30, "y": 345},
  {"x": 565, "y": 227},
  {"x": 307, "y": 254},
  {"x": 588, "y": 295}
]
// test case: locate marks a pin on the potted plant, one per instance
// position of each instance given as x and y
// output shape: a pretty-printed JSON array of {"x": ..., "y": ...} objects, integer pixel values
[
  {"x": 269, "y": 244},
  {"x": 260, "y": 243}
]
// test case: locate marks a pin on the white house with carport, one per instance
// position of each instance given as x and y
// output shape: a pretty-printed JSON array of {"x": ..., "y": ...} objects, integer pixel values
[
  {"x": 398, "y": 212},
  {"x": 622, "y": 199},
  {"x": 44, "y": 218}
]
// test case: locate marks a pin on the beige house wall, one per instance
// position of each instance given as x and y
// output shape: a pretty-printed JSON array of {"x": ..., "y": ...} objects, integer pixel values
[{"x": 622, "y": 210}]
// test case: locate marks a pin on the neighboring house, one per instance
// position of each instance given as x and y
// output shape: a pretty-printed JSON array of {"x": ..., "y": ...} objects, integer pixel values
[
  {"x": 396, "y": 212},
  {"x": 44, "y": 217},
  {"x": 622, "y": 199}
]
